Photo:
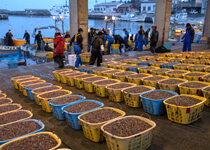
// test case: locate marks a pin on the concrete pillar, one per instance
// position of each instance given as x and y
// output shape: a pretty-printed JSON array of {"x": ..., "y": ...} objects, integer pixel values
[
  {"x": 162, "y": 19},
  {"x": 206, "y": 28},
  {"x": 79, "y": 19}
]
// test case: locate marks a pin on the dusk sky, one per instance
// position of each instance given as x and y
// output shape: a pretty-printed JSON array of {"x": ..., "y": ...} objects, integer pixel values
[{"x": 37, "y": 4}]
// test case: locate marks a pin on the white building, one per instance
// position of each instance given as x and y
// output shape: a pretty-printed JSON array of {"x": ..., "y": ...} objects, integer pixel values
[
  {"x": 148, "y": 6},
  {"x": 108, "y": 7},
  {"x": 204, "y": 5}
]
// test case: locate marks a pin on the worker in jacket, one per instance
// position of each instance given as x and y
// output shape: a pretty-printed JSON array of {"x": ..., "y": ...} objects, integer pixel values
[
  {"x": 140, "y": 39},
  {"x": 27, "y": 37},
  {"x": 91, "y": 35},
  {"x": 38, "y": 39},
  {"x": 59, "y": 43},
  {"x": 9, "y": 41},
  {"x": 154, "y": 39},
  {"x": 146, "y": 37},
  {"x": 136, "y": 41},
  {"x": 78, "y": 46},
  {"x": 126, "y": 37},
  {"x": 188, "y": 37},
  {"x": 110, "y": 42},
  {"x": 97, "y": 48}
]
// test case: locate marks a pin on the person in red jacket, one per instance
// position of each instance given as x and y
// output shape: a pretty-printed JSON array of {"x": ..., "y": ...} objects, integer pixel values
[{"x": 59, "y": 44}]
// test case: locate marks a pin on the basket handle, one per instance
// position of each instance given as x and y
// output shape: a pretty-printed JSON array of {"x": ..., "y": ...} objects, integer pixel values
[
  {"x": 118, "y": 105},
  {"x": 143, "y": 114}
]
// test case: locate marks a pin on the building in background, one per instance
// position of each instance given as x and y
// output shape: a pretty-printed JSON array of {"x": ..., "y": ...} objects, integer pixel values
[
  {"x": 204, "y": 5},
  {"x": 109, "y": 7},
  {"x": 127, "y": 8},
  {"x": 148, "y": 6}
]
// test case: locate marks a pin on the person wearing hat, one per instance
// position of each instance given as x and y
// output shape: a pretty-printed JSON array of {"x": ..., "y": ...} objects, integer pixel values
[
  {"x": 188, "y": 37},
  {"x": 154, "y": 39},
  {"x": 9, "y": 41},
  {"x": 59, "y": 44},
  {"x": 38, "y": 39},
  {"x": 126, "y": 36},
  {"x": 78, "y": 46},
  {"x": 91, "y": 35},
  {"x": 97, "y": 47},
  {"x": 140, "y": 39}
]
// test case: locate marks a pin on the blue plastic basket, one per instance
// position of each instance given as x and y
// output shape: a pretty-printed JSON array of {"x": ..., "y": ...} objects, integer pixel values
[
  {"x": 146, "y": 63},
  {"x": 30, "y": 95},
  {"x": 154, "y": 107},
  {"x": 56, "y": 109},
  {"x": 40, "y": 130},
  {"x": 12, "y": 64},
  {"x": 134, "y": 69},
  {"x": 169, "y": 66},
  {"x": 115, "y": 51},
  {"x": 72, "y": 118},
  {"x": 91, "y": 71},
  {"x": 83, "y": 69}
]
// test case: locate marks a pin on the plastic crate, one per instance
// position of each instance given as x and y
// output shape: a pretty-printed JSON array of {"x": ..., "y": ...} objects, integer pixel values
[
  {"x": 29, "y": 112},
  {"x": 40, "y": 130},
  {"x": 89, "y": 87},
  {"x": 122, "y": 78},
  {"x": 169, "y": 66},
  {"x": 137, "y": 81},
  {"x": 100, "y": 72},
  {"x": 154, "y": 107},
  {"x": 70, "y": 78},
  {"x": 44, "y": 101},
  {"x": 153, "y": 83},
  {"x": 30, "y": 95},
  {"x": 110, "y": 75},
  {"x": 14, "y": 104},
  {"x": 133, "y": 99},
  {"x": 25, "y": 137},
  {"x": 139, "y": 141},
  {"x": 72, "y": 118},
  {"x": 79, "y": 81},
  {"x": 192, "y": 91},
  {"x": 13, "y": 80},
  {"x": 207, "y": 96},
  {"x": 194, "y": 78},
  {"x": 56, "y": 75},
  {"x": 12, "y": 64},
  {"x": 56, "y": 109},
  {"x": 18, "y": 81},
  {"x": 185, "y": 115},
  {"x": 63, "y": 75},
  {"x": 92, "y": 131}
]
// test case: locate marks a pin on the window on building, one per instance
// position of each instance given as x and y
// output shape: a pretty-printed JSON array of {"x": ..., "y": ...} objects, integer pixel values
[
  {"x": 104, "y": 9},
  {"x": 144, "y": 8},
  {"x": 149, "y": 8},
  {"x": 101, "y": 9}
]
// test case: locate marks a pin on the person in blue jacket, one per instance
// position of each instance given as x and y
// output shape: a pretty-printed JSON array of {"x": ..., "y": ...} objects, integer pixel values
[
  {"x": 188, "y": 37},
  {"x": 146, "y": 37},
  {"x": 91, "y": 34},
  {"x": 126, "y": 36},
  {"x": 104, "y": 37},
  {"x": 78, "y": 46},
  {"x": 136, "y": 41},
  {"x": 140, "y": 39},
  {"x": 110, "y": 42}
]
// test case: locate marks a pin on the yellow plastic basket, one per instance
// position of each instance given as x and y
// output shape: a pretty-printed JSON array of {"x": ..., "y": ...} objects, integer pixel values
[
  {"x": 185, "y": 115},
  {"x": 124, "y": 77},
  {"x": 89, "y": 85},
  {"x": 14, "y": 104},
  {"x": 30, "y": 115},
  {"x": 205, "y": 57},
  {"x": 206, "y": 78},
  {"x": 174, "y": 55},
  {"x": 100, "y": 72},
  {"x": 92, "y": 131},
  {"x": 79, "y": 81},
  {"x": 152, "y": 83},
  {"x": 133, "y": 99},
  {"x": 179, "y": 60},
  {"x": 202, "y": 62},
  {"x": 192, "y": 91},
  {"x": 194, "y": 78},
  {"x": 161, "y": 73},
  {"x": 19, "y": 81},
  {"x": 44, "y": 101},
  {"x": 3, "y": 95},
  {"x": 70, "y": 78},
  {"x": 10, "y": 101},
  {"x": 25, "y": 137},
  {"x": 35, "y": 94},
  {"x": 139, "y": 141},
  {"x": 163, "y": 59},
  {"x": 145, "y": 70},
  {"x": 14, "y": 79},
  {"x": 24, "y": 84},
  {"x": 207, "y": 96},
  {"x": 207, "y": 69},
  {"x": 171, "y": 87},
  {"x": 164, "y": 54},
  {"x": 189, "y": 61},
  {"x": 116, "y": 95},
  {"x": 115, "y": 46},
  {"x": 137, "y": 81},
  {"x": 110, "y": 75},
  {"x": 56, "y": 75},
  {"x": 156, "y": 64},
  {"x": 85, "y": 57},
  {"x": 200, "y": 69},
  {"x": 179, "y": 67},
  {"x": 100, "y": 90},
  {"x": 63, "y": 75},
  {"x": 125, "y": 67},
  {"x": 172, "y": 75}
]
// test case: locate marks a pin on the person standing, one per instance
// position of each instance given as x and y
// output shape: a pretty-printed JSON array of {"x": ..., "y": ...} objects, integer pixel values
[
  {"x": 9, "y": 41},
  {"x": 67, "y": 35},
  {"x": 59, "y": 43},
  {"x": 27, "y": 37},
  {"x": 126, "y": 37},
  {"x": 146, "y": 37},
  {"x": 110, "y": 42},
  {"x": 154, "y": 38},
  {"x": 140, "y": 39},
  {"x": 91, "y": 35},
  {"x": 136, "y": 41},
  {"x": 97, "y": 47},
  {"x": 38, "y": 39},
  {"x": 78, "y": 46},
  {"x": 188, "y": 37}
]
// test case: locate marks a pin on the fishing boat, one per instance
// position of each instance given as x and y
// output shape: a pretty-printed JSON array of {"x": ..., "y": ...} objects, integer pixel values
[{"x": 62, "y": 10}]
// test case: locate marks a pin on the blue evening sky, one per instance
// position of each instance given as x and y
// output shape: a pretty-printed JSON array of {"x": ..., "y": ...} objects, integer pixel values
[{"x": 37, "y": 4}]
